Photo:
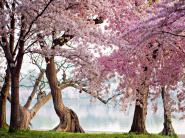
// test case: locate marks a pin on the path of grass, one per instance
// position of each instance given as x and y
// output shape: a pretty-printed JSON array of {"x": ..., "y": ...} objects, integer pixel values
[{"x": 50, "y": 134}]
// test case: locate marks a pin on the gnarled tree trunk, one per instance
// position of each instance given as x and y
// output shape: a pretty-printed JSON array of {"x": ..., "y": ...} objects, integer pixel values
[
  {"x": 168, "y": 128},
  {"x": 3, "y": 97},
  {"x": 68, "y": 119},
  {"x": 25, "y": 113},
  {"x": 25, "y": 118},
  {"x": 138, "y": 124}
]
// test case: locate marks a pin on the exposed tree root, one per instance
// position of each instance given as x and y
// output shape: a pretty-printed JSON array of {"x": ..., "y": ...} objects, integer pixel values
[{"x": 70, "y": 123}]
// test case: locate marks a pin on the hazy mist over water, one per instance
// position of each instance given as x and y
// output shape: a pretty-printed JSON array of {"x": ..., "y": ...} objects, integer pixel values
[{"x": 96, "y": 116}]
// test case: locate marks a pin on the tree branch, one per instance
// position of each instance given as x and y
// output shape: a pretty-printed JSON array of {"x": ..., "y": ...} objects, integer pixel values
[
  {"x": 38, "y": 80},
  {"x": 100, "y": 98},
  {"x": 173, "y": 34},
  {"x": 39, "y": 104},
  {"x": 74, "y": 84},
  {"x": 36, "y": 18}
]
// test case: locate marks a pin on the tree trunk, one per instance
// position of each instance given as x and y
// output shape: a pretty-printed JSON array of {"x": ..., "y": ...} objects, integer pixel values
[
  {"x": 27, "y": 115},
  {"x": 168, "y": 128},
  {"x": 6, "y": 85},
  {"x": 138, "y": 124},
  {"x": 15, "y": 69},
  {"x": 15, "y": 106},
  {"x": 68, "y": 119},
  {"x": 25, "y": 118},
  {"x": 3, "y": 97}
]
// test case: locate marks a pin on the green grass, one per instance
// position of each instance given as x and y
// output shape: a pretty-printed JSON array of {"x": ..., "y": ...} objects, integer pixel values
[{"x": 51, "y": 134}]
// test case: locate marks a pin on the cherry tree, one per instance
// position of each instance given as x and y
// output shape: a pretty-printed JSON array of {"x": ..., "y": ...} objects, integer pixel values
[
  {"x": 150, "y": 41},
  {"x": 121, "y": 37},
  {"x": 23, "y": 21},
  {"x": 167, "y": 28},
  {"x": 136, "y": 31},
  {"x": 51, "y": 24}
]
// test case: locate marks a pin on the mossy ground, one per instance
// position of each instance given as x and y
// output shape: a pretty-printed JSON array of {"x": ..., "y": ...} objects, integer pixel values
[{"x": 50, "y": 134}]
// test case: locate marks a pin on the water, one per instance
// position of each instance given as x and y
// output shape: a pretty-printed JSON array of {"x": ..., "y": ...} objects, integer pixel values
[{"x": 97, "y": 116}]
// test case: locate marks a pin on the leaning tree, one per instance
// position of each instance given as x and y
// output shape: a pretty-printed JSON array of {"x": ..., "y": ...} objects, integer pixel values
[{"x": 22, "y": 21}]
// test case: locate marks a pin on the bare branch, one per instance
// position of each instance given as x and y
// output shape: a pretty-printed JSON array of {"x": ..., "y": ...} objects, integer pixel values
[
  {"x": 30, "y": 45},
  {"x": 75, "y": 84},
  {"x": 100, "y": 98},
  {"x": 36, "y": 18},
  {"x": 28, "y": 103},
  {"x": 39, "y": 104},
  {"x": 178, "y": 35}
]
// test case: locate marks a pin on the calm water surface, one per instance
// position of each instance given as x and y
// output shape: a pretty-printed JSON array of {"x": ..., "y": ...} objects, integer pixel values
[{"x": 96, "y": 116}]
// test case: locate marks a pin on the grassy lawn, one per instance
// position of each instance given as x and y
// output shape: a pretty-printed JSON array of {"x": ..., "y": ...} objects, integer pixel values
[{"x": 51, "y": 134}]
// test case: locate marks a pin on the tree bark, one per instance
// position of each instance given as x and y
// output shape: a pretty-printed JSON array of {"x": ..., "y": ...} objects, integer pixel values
[
  {"x": 15, "y": 69},
  {"x": 25, "y": 113},
  {"x": 3, "y": 97},
  {"x": 68, "y": 119},
  {"x": 168, "y": 128},
  {"x": 138, "y": 124},
  {"x": 25, "y": 118},
  {"x": 15, "y": 105},
  {"x": 6, "y": 84}
]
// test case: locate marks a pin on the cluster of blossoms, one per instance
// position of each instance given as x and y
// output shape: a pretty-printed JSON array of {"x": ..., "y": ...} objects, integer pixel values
[{"x": 149, "y": 38}]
